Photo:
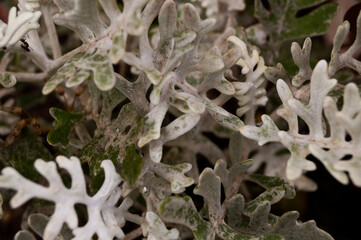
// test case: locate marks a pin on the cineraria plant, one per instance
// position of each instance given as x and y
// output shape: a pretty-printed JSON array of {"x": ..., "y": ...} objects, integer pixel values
[{"x": 163, "y": 119}]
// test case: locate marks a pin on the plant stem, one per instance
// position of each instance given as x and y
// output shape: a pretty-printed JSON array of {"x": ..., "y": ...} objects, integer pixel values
[
  {"x": 29, "y": 77},
  {"x": 133, "y": 234},
  {"x": 50, "y": 27},
  {"x": 133, "y": 218}
]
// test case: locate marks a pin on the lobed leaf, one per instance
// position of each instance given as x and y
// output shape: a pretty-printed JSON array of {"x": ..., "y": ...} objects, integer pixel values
[
  {"x": 155, "y": 229},
  {"x": 80, "y": 67},
  {"x": 281, "y": 21},
  {"x": 132, "y": 165},
  {"x": 64, "y": 123},
  {"x": 182, "y": 211}
]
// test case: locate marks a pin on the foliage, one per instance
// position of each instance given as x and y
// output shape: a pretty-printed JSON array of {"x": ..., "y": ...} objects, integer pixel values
[
  {"x": 64, "y": 123},
  {"x": 102, "y": 213},
  {"x": 251, "y": 220},
  {"x": 146, "y": 100},
  {"x": 282, "y": 24}
]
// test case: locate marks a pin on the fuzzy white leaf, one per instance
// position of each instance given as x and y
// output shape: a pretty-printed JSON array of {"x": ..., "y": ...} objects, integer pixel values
[
  {"x": 174, "y": 174},
  {"x": 301, "y": 58},
  {"x": 28, "y": 5},
  {"x": 18, "y": 25},
  {"x": 353, "y": 167},
  {"x": 346, "y": 58},
  {"x": 320, "y": 86},
  {"x": 172, "y": 131},
  {"x": 208, "y": 63},
  {"x": 152, "y": 123},
  {"x": 104, "y": 218},
  {"x": 297, "y": 162},
  {"x": 155, "y": 229},
  {"x": 250, "y": 93},
  {"x": 81, "y": 16},
  {"x": 329, "y": 158},
  {"x": 195, "y": 104},
  {"x": 264, "y": 134}
]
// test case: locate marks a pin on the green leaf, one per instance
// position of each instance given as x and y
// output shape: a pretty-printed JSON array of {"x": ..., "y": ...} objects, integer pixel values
[
  {"x": 272, "y": 195},
  {"x": 23, "y": 152},
  {"x": 182, "y": 211},
  {"x": 68, "y": 71},
  {"x": 111, "y": 99},
  {"x": 122, "y": 132},
  {"x": 272, "y": 182},
  {"x": 79, "y": 68},
  {"x": 93, "y": 154},
  {"x": 65, "y": 121},
  {"x": 103, "y": 71},
  {"x": 281, "y": 21},
  {"x": 132, "y": 165}
]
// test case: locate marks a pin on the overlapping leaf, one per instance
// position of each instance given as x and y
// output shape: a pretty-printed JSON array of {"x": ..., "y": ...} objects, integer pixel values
[
  {"x": 82, "y": 66},
  {"x": 301, "y": 145},
  {"x": 282, "y": 23},
  {"x": 250, "y": 220},
  {"x": 101, "y": 204},
  {"x": 64, "y": 123}
]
